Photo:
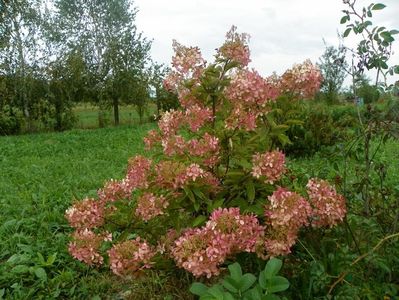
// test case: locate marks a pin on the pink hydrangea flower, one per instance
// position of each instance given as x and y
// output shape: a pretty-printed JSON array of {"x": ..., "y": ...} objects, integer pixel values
[
  {"x": 329, "y": 207},
  {"x": 85, "y": 244},
  {"x": 88, "y": 213},
  {"x": 242, "y": 231},
  {"x": 201, "y": 250},
  {"x": 170, "y": 122},
  {"x": 174, "y": 145},
  {"x": 128, "y": 257},
  {"x": 251, "y": 89},
  {"x": 302, "y": 80},
  {"x": 249, "y": 94},
  {"x": 207, "y": 148},
  {"x": 186, "y": 59},
  {"x": 137, "y": 173},
  {"x": 197, "y": 116},
  {"x": 194, "y": 252},
  {"x": 150, "y": 206},
  {"x": 269, "y": 165},
  {"x": 151, "y": 139},
  {"x": 279, "y": 241},
  {"x": 236, "y": 47},
  {"x": 113, "y": 190},
  {"x": 286, "y": 213},
  {"x": 287, "y": 209}
]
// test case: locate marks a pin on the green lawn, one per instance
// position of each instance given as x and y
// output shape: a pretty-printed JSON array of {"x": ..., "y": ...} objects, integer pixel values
[{"x": 88, "y": 115}]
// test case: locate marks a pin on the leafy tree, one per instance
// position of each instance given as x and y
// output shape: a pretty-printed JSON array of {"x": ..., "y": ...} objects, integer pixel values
[
  {"x": 115, "y": 53},
  {"x": 19, "y": 50},
  {"x": 165, "y": 100},
  {"x": 367, "y": 91},
  {"x": 332, "y": 66},
  {"x": 375, "y": 46}
]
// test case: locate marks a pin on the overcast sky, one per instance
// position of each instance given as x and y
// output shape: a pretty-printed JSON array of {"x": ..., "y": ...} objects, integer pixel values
[{"x": 283, "y": 32}]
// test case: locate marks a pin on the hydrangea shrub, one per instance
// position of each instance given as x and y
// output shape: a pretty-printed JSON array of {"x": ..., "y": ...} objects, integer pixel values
[{"x": 212, "y": 186}]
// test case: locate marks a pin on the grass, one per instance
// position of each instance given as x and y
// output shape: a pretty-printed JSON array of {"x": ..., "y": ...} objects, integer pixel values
[
  {"x": 40, "y": 176},
  {"x": 88, "y": 115}
]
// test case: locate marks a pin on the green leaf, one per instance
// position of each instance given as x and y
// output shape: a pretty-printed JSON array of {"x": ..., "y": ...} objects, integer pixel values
[
  {"x": 378, "y": 6},
  {"x": 254, "y": 294},
  {"x": 235, "y": 271},
  {"x": 196, "y": 206},
  {"x": 41, "y": 274},
  {"x": 199, "y": 221},
  {"x": 250, "y": 190},
  {"x": 247, "y": 281},
  {"x": 283, "y": 139},
  {"x": 198, "y": 289},
  {"x": 347, "y": 31},
  {"x": 228, "y": 296},
  {"x": 367, "y": 23},
  {"x": 51, "y": 259},
  {"x": 270, "y": 297},
  {"x": 214, "y": 205},
  {"x": 383, "y": 65},
  {"x": 277, "y": 284},
  {"x": 231, "y": 285},
  {"x": 273, "y": 266},
  {"x": 20, "y": 269},
  {"x": 216, "y": 291},
  {"x": 41, "y": 258},
  {"x": 344, "y": 19},
  {"x": 394, "y": 31},
  {"x": 387, "y": 36}
]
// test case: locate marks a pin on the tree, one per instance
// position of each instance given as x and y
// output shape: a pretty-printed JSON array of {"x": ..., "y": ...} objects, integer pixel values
[
  {"x": 20, "y": 50},
  {"x": 332, "y": 65},
  {"x": 116, "y": 67},
  {"x": 165, "y": 100}
]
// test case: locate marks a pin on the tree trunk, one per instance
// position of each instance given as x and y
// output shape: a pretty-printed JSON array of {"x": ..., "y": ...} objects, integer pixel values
[
  {"x": 116, "y": 111},
  {"x": 22, "y": 76}
]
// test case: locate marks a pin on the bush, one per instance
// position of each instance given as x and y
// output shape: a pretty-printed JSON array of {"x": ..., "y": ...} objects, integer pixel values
[
  {"x": 319, "y": 125},
  {"x": 11, "y": 121},
  {"x": 216, "y": 185}
]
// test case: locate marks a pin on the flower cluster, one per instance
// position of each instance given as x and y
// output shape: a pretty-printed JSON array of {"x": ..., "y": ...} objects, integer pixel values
[
  {"x": 150, "y": 206},
  {"x": 236, "y": 47},
  {"x": 201, "y": 250},
  {"x": 85, "y": 244},
  {"x": 196, "y": 116},
  {"x": 248, "y": 93},
  {"x": 207, "y": 148},
  {"x": 186, "y": 58},
  {"x": 270, "y": 165},
  {"x": 113, "y": 190},
  {"x": 302, "y": 80},
  {"x": 285, "y": 215},
  {"x": 128, "y": 257},
  {"x": 151, "y": 139},
  {"x": 88, "y": 213},
  {"x": 170, "y": 122},
  {"x": 328, "y": 207}
]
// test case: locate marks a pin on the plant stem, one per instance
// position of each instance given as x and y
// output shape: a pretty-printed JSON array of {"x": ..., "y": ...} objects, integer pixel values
[{"x": 343, "y": 274}]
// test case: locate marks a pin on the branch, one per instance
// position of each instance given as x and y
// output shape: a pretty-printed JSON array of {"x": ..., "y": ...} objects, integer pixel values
[{"x": 343, "y": 274}]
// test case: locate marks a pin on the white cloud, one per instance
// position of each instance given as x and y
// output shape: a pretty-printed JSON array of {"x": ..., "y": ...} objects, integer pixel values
[{"x": 282, "y": 32}]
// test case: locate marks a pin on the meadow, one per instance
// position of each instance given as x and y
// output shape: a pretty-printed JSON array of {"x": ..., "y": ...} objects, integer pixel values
[
  {"x": 42, "y": 174},
  {"x": 40, "y": 177},
  {"x": 88, "y": 117}
]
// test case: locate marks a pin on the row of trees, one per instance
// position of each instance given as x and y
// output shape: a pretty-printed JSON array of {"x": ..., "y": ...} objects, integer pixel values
[{"x": 56, "y": 53}]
